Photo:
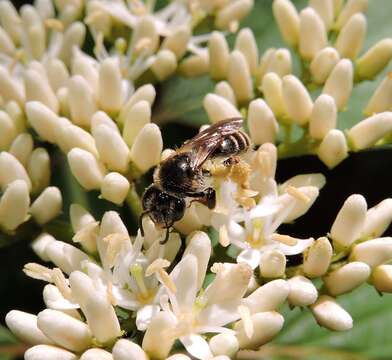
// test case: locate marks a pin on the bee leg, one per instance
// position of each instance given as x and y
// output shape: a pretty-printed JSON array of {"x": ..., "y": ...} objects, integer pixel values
[
  {"x": 232, "y": 160},
  {"x": 164, "y": 241},
  {"x": 207, "y": 198}
]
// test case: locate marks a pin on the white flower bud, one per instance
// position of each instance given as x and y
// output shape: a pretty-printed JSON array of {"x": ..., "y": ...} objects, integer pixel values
[
  {"x": 301, "y": 207},
  {"x": 86, "y": 67},
  {"x": 45, "y": 9},
  {"x": 22, "y": 147},
  {"x": 329, "y": 314},
  {"x": 38, "y": 169},
  {"x": 177, "y": 41},
  {"x": 115, "y": 188},
  {"x": 86, "y": 168},
  {"x": 8, "y": 131},
  {"x": 184, "y": 357},
  {"x": 297, "y": 100},
  {"x": 377, "y": 219},
  {"x": 73, "y": 38},
  {"x": 189, "y": 222},
  {"x": 145, "y": 36},
  {"x": 111, "y": 223},
  {"x": 101, "y": 118},
  {"x": 346, "y": 278},
  {"x": 367, "y": 132},
  {"x": 57, "y": 73},
  {"x": 318, "y": 258},
  {"x": 63, "y": 98},
  {"x": 147, "y": 147},
  {"x": 96, "y": 354},
  {"x": 272, "y": 264},
  {"x": 39, "y": 245},
  {"x": 14, "y": 205},
  {"x": 280, "y": 62},
  {"x": 302, "y": 291},
  {"x": 47, "y": 206},
  {"x": 323, "y": 117},
  {"x": 246, "y": 43},
  {"x": 47, "y": 352},
  {"x": 381, "y": 278},
  {"x": 323, "y": 63},
  {"x": 218, "y": 108},
  {"x": 286, "y": 16},
  {"x": 110, "y": 95},
  {"x": 164, "y": 65},
  {"x": 6, "y": 44},
  {"x": 373, "y": 252},
  {"x": 17, "y": 115},
  {"x": 43, "y": 120},
  {"x": 262, "y": 124},
  {"x": 9, "y": 88},
  {"x": 219, "y": 55},
  {"x": 265, "y": 63},
  {"x": 238, "y": 75},
  {"x": 224, "y": 90},
  {"x": 224, "y": 344},
  {"x": 71, "y": 136},
  {"x": 64, "y": 330},
  {"x": 350, "y": 39},
  {"x": 55, "y": 300},
  {"x": 233, "y": 13},
  {"x": 339, "y": 83},
  {"x": 127, "y": 350},
  {"x": 273, "y": 93},
  {"x": 80, "y": 217},
  {"x": 381, "y": 99},
  {"x": 266, "y": 326},
  {"x": 11, "y": 169},
  {"x": 312, "y": 33},
  {"x": 374, "y": 60},
  {"x": 333, "y": 149},
  {"x": 325, "y": 9},
  {"x": 10, "y": 21},
  {"x": 24, "y": 326},
  {"x": 195, "y": 65},
  {"x": 36, "y": 40},
  {"x": 138, "y": 116},
  {"x": 350, "y": 8}
]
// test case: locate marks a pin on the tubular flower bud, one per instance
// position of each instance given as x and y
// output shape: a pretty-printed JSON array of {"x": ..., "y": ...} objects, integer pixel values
[
  {"x": 115, "y": 188},
  {"x": 177, "y": 42},
  {"x": 381, "y": 278},
  {"x": 110, "y": 95},
  {"x": 218, "y": 108},
  {"x": 312, "y": 34},
  {"x": 86, "y": 168},
  {"x": 224, "y": 90},
  {"x": 233, "y": 13},
  {"x": 297, "y": 181},
  {"x": 346, "y": 278},
  {"x": 280, "y": 62},
  {"x": 349, "y": 222},
  {"x": 329, "y": 314},
  {"x": 39, "y": 245},
  {"x": 339, "y": 83},
  {"x": 47, "y": 206},
  {"x": 367, "y": 132},
  {"x": 38, "y": 169},
  {"x": 318, "y": 258},
  {"x": 297, "y": 100},
  {"x": 71, "y": 136},
  {"x": 224, "y": 344},
  {"x": 97, "y": 354},
  {"x": 11, "y": 169},
  {"x": 350, "y": 39},
  {"x": 218, "y": 50},
  {"x": 350, "y": 8},
  {"x": 145, "y": 36},
  {"x": 10, "y": 21},
  {"x": 373, "y": 252},
  {"x": 196, "y": 65},
  {"x": 101, "y": 118},
  {"x": 246, "y": 43},
  {"x": 128, "y": 350},
  {"x": 85, "y": 67},
  {"x": 22, "y": 147},
  {"x": 381, "y": 100},
  {"x": 273, "y": 94},
  {"x": 272, "y": 264},
  {"x": 324, "y": 9},
  {"x": 374, "y": 60},
  {"x": 377, "y": 219},
  {"x": 138, "y": 116},
  {"x": 266, "y": 326},
  {"x": 80, "y": 217},
  {"x": 147, "y": 147},
  {"x": 9, "y": 88},
  {"x": 8, "y": 131},
  {"x": 265, "y": 62},
  {"x": 6, "y": 44},
  {"x": 73, "y": 38},
  {"x": 55, "y": 300},
  {"x": 57, "y": 73},
  {"x": 302, "y": 291},
  {"x": 164, "y": 65},
  {"x": 323, "y": 117},
  {"x": 286, "y": 16},
  {"x": 238, "y": 75},
  {"x": 262, "y": 124},
  {"x": 333, "y": 149},
  {"x": 16, "y": 113},
  {"x": 323, "y": 63},
  {"x": 48, "y": 352}
]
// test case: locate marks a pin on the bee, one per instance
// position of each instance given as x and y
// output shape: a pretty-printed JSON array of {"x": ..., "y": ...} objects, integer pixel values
[{"x": 182, "y": 175}]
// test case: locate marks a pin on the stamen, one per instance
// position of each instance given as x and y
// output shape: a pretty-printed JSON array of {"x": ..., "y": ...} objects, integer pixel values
[
  {"x": 299, "y": 195},
  {"x": 167, "y": 281},
  {"x": 109, "y": 291},
  {"x": 54, "y": 24},
  {"x": 217, "y": 267},
  {"x": 115, "y": 243},
  {"x": 137, "y": 273},
  {"x": 60, "y": 281},
  {"x": 37, "y": 271},
  {"x": 284, "y": 239},
  {"x": 157, "y": 265},
  {"x": 224, "y": 238},
  {"x": 247, "y": 320}
]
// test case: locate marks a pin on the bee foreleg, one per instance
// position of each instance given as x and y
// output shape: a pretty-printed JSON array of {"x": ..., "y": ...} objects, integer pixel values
[
  {"x": 207, "y": 198},
  {"x": 232, "y": 160}
]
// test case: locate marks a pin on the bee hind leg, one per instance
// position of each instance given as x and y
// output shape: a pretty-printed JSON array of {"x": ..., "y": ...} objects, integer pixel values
[{"x": 207, "y": 197}]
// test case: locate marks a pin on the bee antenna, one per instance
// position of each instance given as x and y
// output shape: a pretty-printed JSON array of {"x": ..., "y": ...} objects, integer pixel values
[
  {"x": 142, "y": 215},
  {"x": 164, "y": 241}
]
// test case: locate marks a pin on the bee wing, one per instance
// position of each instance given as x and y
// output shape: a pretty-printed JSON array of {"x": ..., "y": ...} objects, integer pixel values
[{"x": 206, "y": 141}]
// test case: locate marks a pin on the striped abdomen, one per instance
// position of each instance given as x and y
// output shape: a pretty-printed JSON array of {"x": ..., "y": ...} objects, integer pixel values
[{"x": 233, "y": 144}]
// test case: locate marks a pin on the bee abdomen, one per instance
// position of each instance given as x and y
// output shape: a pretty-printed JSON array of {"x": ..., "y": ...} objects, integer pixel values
[{"x": 233, "y": 144}]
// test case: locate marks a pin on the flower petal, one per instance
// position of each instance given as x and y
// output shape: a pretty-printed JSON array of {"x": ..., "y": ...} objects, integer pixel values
[
  {"x": 250, "y": 256},
  {"x": 196, "y": 346},
  {"x": 298, "y": 248},
  {"x": 144, "y": 316}
]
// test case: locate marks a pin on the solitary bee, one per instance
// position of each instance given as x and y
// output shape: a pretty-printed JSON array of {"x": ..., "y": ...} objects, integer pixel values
[{"x": 182, "y": 175}]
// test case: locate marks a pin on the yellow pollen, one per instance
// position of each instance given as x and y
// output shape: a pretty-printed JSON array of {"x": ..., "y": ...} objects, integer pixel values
[
  {"x": 299, "y": 195},
  {"x": 247, "y": 320},
  {"x": 284, "y": 239},
  {"x": 37, "y": 271},
  {"x": 54, "y": 24},
  {"x": 240, "y": 173},
  {"x": 224, "y": 238},
  {"x": 59, "y": 280}
]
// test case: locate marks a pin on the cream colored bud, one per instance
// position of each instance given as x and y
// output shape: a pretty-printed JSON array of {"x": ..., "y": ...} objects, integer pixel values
[
  {"x": 138, "y": 116},
  {"x": 110, "y": 96},
  {"x": 47, "y": 206},
  {"x": 286, "y": 16},
  {"x": 55, "y": 300},
  {"x": 11, "y": 169},
  {"x": 45, "y": 9},
  {"x": 6, "y": 44},
  {"x": 115, "y": 188},
  {"x": 36, "y": 41},
  {"x": 238, "y": 75},
  {"x": 64, "y": 330},
  {"x": 218, "y": 108},
  {"x": 17, "y": 115},
  {"x": 333, "y": 149},
  {"x": 111, "y": 223},
  {"x": 218, "y": 50},
  {"x": 312, "y": 34},
  {"x": 86, "y": 168},
  {"x": 346, "y": 278},
  {"x": 101, "y": 118},
  {"x": 29, "y": 16},
  {"x": 195, "y": 65},
  {"x": 38, "y": 169},
  {"x": 273, "y": 93},
  {"x": 302, "y": 291},
  {"x": 10, "y": 21},
  {"x": 367, "y": 132},
  {"x": 177, "y": 41},
  {"x": 96, "y": 354},
  {"x": 329, "y": 314},
  {"x": 323, "y": 117},
  {"x": 9, "y": 88},
  {"x": 381, "y": 99},
  {"x": 323, "y": 63},
  {"x": 297, "y": 181},
  {"x": 325, "y": 9},
  {"x": 24, "y": 326},
  {"x": 8, "y": 131},
  {"x": 374, "y": 60},
  {"x": 14, "y": 205},
  {"x": 47, "y": 352},
  {"x": 246, "y": 43},
  {"x": 265, "y": 62},
  {"x": 87, "y": 68},
  {"x": 377, "y": 219},
  {"x": 350, "y": 39},
  {"x": 280, "y": 62},
  {"x": 164, "y": 65},
  {"x": 71, "y": 136},
  {"x": 262, "y": 124},
  {"x": 80, "y": 217},
  {"x": 145, "y": 37},
  {"x": 297, "y": 100},
  {"x": 224, "y": 344},
  {"x": 272, "y": 264},
  {"x": 22, "y": 147},
  {"x": 147, "y": 147},
  {"x": 63, "y": 98},
  {"x": 350, "y": 8},
  {"x": 189, "y": 222},
  {"x": 233, "y": 13},
  {"x": 318, "y": 258},
  {"x": 43, "y": 120},
  {"x": 224, "y": 90},
  {"x": 373, "y": 252},
  {"x": 349, "y": 222},
  {"x": 127, "y": 350},
  {"x": 183, "y": 357},
  {"x": 39, "y": 245},
  {"x": 266, "y": 326},
  {"x": 73, "y": 37},
  {"x": 381, "y": 278}
]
